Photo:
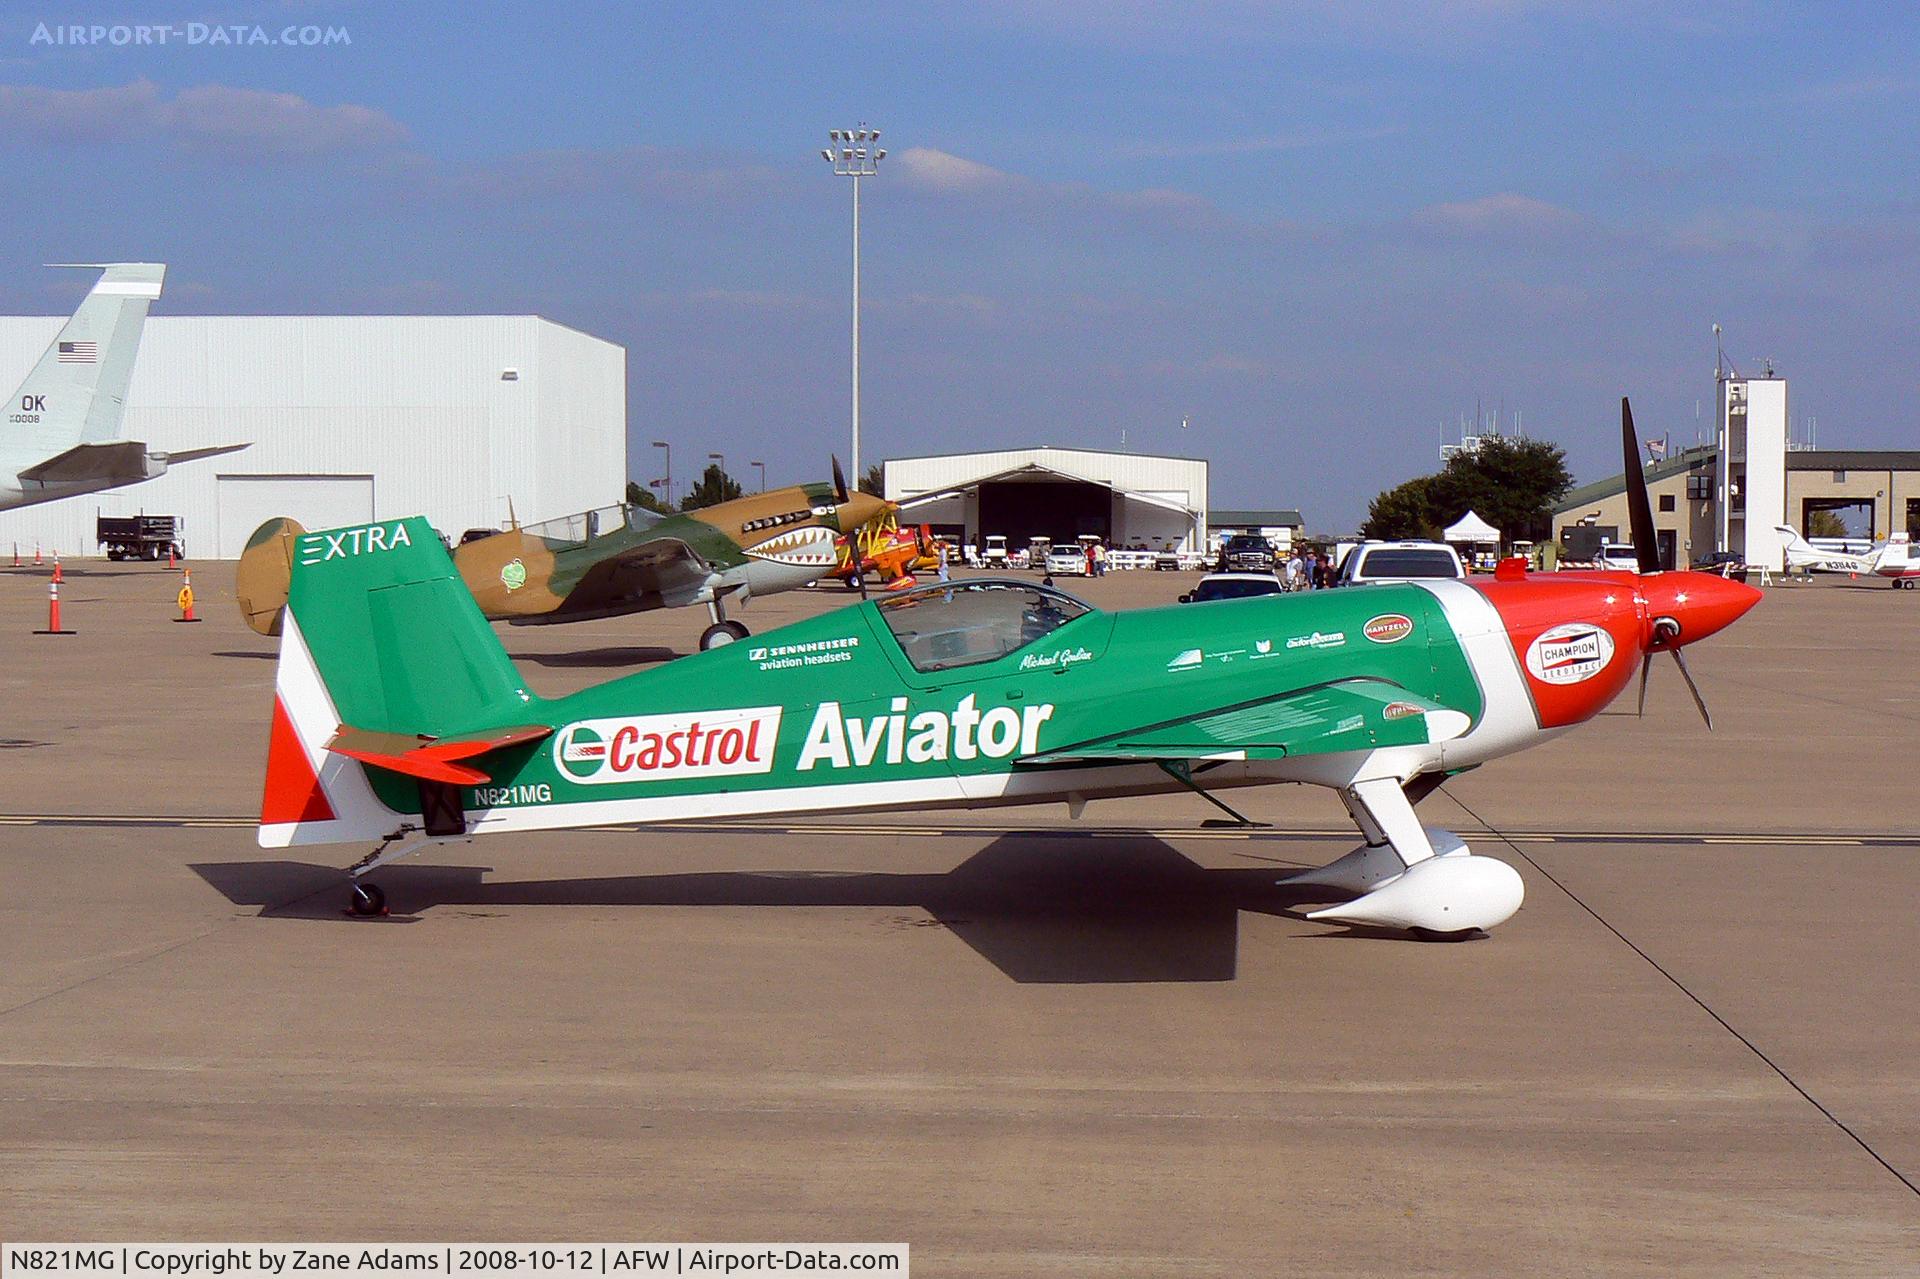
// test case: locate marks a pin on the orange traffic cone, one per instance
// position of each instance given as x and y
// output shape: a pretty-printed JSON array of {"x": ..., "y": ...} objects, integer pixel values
[
  {"x": 171, "y": 566},
  {"x": 56, "y": 568},
  {"x": 186, "y": 599},
  {"x": 53, "y": 612},
  {"x": 37, "y": 561}
]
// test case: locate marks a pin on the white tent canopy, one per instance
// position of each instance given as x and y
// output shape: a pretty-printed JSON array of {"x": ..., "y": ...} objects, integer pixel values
[{"x": 1471, "y": 528}]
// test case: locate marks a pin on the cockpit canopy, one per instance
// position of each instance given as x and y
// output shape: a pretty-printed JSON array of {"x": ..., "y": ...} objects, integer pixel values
[
  {"x": 955, "y": 624},
  {"x": 577, "y": 530}
]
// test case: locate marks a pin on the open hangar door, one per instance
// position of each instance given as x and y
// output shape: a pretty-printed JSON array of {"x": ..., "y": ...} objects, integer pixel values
[
  {"x": 1061, "y": 510},
  {"x": 245, "y": 502}
]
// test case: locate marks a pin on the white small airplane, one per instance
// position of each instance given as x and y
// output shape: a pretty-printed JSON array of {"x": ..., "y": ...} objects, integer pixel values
[
  {"x": 1893, "y": 559},
  {"x": 62, "y": 433}
]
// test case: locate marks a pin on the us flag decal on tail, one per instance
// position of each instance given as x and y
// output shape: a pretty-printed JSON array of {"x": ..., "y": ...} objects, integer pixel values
[{"x": 78, "y": 352}]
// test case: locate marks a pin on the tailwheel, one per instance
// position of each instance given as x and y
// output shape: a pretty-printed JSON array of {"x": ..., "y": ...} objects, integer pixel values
[{"x": 366, "y": 900}]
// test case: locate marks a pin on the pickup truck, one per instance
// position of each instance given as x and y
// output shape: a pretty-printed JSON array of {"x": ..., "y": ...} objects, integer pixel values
[
  {"x": 1245, "y": 553},
  {"x": 1399, "y": 562}
]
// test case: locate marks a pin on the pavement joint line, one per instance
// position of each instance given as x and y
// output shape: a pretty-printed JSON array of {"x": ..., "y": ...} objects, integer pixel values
[
  {"x": 878, "y": 831},
  {"x": 1702, "y": 1004},
  {"x": 225, "y": 923}
]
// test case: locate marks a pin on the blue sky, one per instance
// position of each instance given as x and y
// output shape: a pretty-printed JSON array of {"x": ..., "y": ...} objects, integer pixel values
[{"x": 1319, "y": 230}]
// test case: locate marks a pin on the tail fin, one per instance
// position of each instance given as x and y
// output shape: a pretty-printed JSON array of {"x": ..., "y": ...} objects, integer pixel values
[
  {"x": 1791, "y": 540},
  {"x": 78, "y": 390},
  {"x": 379, "y": 635}
]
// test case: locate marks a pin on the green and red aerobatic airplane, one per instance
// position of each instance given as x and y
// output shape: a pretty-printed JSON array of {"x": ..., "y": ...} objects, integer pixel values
[{"x": 398, "y": 717}]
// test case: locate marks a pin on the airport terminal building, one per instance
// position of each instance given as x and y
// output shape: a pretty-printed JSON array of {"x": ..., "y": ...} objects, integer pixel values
[
  {"x": 350, "y": 419},
  {"x": 1125, "y": 499}
]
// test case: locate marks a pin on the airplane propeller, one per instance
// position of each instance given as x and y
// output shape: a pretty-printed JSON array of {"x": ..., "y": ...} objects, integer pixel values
[
  {"x": 840, "y": 498},
  {"x": 1640, "y": 518}
]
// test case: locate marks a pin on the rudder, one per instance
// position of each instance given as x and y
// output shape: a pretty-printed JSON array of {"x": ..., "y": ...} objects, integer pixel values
[{"x": 379, "y": 634}]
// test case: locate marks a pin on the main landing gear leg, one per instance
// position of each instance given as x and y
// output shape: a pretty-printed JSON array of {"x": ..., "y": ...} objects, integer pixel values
[
  {"x": 722, "y": 631},
  {"x": 366, "y": 898},
  {"x": 1420, "y": 878}
]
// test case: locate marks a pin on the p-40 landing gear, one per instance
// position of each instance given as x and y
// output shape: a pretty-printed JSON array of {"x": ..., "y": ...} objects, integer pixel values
[
  {"x": 366, "y": 899},
  {"x": 722, "y": 631}
]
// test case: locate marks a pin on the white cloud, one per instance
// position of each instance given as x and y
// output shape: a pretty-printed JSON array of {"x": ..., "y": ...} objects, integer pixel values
[
  {"x": 1505, "y": 215},
  {"x": 212, "y": 120},
  {"x": 941, "y": 171}
]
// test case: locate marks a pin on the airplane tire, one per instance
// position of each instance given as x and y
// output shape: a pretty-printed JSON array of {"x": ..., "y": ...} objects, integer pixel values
[
  {"x": 853, "y": 581},
  {"x": 721, "y": 633},
  {"x": 367, "y": 899}
]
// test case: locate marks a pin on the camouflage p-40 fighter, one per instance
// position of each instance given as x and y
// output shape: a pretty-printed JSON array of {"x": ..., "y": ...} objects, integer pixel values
[
  {"x": 619, "y": 560},
  {"x": 398, "y": 717}
]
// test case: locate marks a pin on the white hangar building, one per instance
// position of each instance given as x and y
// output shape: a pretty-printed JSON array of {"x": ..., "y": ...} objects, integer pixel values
[
  {"x": 1123, "y": 498},
  {"x": 350, "y": 419}
]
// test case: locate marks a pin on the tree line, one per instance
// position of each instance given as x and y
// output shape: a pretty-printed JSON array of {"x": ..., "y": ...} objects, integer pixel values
[
  {"x": 1510, "y": 481},
  {"x": 716, "y": 486}
]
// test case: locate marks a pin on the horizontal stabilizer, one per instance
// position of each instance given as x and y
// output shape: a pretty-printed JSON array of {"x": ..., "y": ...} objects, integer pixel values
[
  {"x": 195, "y": 455},
  {"x": 122, "y": 462},
  {"x": 1357, "y": 714},
  {"x": 431, "y": 759}
]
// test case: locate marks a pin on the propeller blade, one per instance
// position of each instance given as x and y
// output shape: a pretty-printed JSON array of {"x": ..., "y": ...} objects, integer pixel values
[
  {"x": 1639, "y": 508},
  {"x": 1646, "y": 667},
  {"x": 840, "y": 494},
  {"x": 1687, "y": 675}
]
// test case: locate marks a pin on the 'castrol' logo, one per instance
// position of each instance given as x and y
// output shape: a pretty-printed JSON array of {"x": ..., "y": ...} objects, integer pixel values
[
  {"x": 1570, "y": 654},
  {"x": 659, "y": 748},
  {"x": 1388, "y": 628}
]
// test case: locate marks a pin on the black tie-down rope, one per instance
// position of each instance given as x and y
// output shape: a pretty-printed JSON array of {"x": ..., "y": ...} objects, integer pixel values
[{"x": 1681, "y": 986}]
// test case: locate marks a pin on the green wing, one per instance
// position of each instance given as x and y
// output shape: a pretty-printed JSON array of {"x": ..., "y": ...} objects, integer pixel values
[{"x": 1356, "y": 714}]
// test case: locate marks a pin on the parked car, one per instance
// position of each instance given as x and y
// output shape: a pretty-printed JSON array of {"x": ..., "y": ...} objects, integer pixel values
[
  {"x": 1068, "y": 561},
  {"x": 1232, "y": 586},
  {"x": 1166, "y": 560},
  {"x": 1725, "y": 563},
  {"x": 1619, "y": 557},
  {"x": 1245, "y": 553},
  {"x": 1399, "y": 562}
]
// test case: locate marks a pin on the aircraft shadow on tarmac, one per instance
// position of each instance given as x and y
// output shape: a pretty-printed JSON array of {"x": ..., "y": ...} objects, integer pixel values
[
  {"x": 634, "y": 656},
  {"x": 1039, "y": 909}
]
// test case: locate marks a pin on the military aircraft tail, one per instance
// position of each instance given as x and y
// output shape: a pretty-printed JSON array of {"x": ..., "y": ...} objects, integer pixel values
[
  {"x": 77, "y": 393},
  {"x": 385, "y": 660}
]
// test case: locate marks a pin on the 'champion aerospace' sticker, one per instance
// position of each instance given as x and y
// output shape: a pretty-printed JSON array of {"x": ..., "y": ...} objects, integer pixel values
[{"x": 1569, "y": 654}]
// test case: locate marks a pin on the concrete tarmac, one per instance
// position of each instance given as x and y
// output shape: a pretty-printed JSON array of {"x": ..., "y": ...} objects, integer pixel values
[{"x": 1024, "y": 1045}]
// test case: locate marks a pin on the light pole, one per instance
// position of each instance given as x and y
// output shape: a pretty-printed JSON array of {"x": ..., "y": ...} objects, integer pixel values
[
  {"x": 854, "y": 155},
  {"x": 666, "y": 482},
  {"x": 763, "y": 474}
]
